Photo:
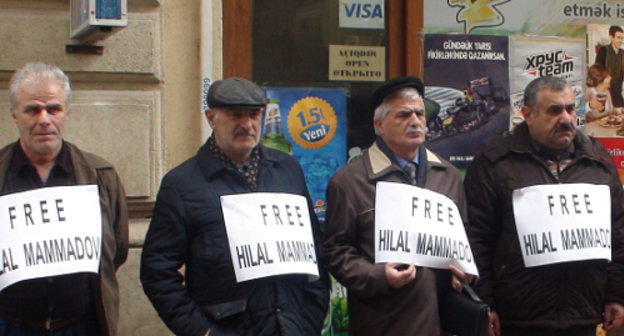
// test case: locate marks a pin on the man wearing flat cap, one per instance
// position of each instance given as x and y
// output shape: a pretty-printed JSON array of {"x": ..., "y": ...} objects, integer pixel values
[
  {"x": 388, "y": 298},
  {"x": 188, "y": 229}
]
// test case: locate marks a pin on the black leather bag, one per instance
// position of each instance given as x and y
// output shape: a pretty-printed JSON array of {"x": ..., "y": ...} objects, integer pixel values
[{"x": 464, "y": 314}]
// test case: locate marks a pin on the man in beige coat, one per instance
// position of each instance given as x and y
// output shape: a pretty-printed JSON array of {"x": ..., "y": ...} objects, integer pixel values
[{"x": 388, "y": 298}]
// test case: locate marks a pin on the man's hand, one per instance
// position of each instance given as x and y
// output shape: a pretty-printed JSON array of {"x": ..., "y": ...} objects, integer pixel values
[
  {"x": 458, "y": 276},
  {"x": 494, "y": 329},
  {"x": 399, "y": 274},
  {"x": 613, "y": 316}
]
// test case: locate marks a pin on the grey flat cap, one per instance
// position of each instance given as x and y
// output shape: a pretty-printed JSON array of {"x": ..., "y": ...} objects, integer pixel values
[{"x": 235, "y": 92}]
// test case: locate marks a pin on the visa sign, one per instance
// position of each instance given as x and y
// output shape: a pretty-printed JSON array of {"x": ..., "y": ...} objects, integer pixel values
[{"x": 364, "y": 14}]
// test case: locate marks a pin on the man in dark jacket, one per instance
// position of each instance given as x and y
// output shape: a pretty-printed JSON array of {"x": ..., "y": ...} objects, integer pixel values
[
  {"x": 611, "y": 56},
  {"x": 388, "y": 298},
  {"x": 61, "y": 302},
  {"x": 188, "y": 229},
  {"x": 565, "y": 294}
]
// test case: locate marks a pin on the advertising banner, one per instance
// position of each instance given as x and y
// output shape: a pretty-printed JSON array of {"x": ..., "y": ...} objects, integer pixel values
[
  {"x": 418, "y": 226},
  {"x": 48, "y": 232},
  {"x": 563, "y": 222},
  {"x": 269, "y": 234},
  {"x": 615, "y": 146},
  {"x": 534, "y": 57},
  {"x": 310, "y": 124},
  {"x": 467, "y": 93},
  {"x": 604, "y": 104},
  {"x": 519, "y": 17},
  {"x": 548, "y": 21}
]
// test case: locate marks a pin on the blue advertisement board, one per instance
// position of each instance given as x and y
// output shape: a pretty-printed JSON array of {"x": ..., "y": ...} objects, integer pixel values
[{"x": 310, "y": 124}]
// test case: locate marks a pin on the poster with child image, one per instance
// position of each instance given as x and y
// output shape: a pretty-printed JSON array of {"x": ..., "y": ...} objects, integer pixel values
[{"x": 603, "y": 101}]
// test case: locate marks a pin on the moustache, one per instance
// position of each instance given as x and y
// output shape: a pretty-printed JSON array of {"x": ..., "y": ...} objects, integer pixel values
[
  {"x": 565, "y": 127},
  {"x": 242, "y": 131},
  {"x": 415, "y": 130}
]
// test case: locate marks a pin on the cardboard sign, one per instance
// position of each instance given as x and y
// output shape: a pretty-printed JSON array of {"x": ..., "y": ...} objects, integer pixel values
[
  {"x": 269, "y": 234},
  {"x": 48, "y": 232},
  {"x": 357, "y": 63},
  {"x": 419, "y": 226},
  {"x": 563, "y": 222}
]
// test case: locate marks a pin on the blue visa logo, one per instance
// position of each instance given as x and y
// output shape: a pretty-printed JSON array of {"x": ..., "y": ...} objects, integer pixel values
[{"x": 363, "y": 11}]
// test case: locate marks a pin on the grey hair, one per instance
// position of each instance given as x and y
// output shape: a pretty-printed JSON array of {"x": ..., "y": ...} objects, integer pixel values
[
  {"x": 382, "y": 110},
  {"x": 536, "y": 85},
  {"x": 37, "y": 72}
]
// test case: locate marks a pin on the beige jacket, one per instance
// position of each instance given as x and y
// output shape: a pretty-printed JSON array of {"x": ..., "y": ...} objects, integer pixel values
[{"x": 376, "y": 309}]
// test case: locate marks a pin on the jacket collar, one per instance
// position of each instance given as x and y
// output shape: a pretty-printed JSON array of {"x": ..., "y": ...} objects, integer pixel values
[
  {"x": 381, "y": 164},
  {"x": 519, "y": 141},
  {"x": 84, "y": 164}
]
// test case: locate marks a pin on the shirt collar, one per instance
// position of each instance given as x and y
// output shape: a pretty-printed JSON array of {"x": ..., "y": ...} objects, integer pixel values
[
  {"x": 218, "y": 152},
  {"x": 402, "y": 162},
  {"x": 552, "y": 154},
  {"x": 249, "y": 170},
  {"x": 399, "y": 160},
  {"x": 62, "y": 159}
]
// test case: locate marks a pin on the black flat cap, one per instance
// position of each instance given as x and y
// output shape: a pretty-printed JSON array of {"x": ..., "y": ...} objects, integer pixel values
[
  {"x": 394, "y": 84},
  {"x": 235, "y": 92}
]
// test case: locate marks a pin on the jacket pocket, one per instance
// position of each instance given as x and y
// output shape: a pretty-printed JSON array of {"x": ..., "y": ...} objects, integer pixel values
[
  {"x": 211, "y": 245},
  {"x": 226, "y": 309}
]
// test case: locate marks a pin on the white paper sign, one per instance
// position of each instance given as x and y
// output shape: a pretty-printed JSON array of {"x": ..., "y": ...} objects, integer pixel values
[
  {"x": 269, "y": 234},
  {"x": 365, "y": 14},
  {"x": 419, "y": 226},
  {"x": 563, "y": 222},
  {"x": 48, "y": 232}
]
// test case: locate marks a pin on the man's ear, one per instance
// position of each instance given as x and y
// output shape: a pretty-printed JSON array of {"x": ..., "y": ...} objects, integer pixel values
[
  {"x": 377, "y": 125},
  {"x": 527, "y": 113},
  {"x": 210, "y": 116}
]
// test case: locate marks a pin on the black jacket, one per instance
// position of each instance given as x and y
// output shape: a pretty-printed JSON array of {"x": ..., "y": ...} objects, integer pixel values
[
  {"x": 558, "y": 295},
  {"x": 187, "y": 230}
]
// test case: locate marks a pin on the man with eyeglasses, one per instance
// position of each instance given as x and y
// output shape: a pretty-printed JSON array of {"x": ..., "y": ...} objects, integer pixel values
[
  {"x": 546, "y": 213},
  {"x": 388, "y": 298},
  {"x": 188, "y": 229}
]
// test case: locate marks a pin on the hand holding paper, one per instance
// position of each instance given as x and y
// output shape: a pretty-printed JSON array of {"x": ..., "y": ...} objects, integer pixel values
[{"x": 398, "y": 276}]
